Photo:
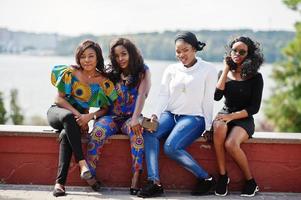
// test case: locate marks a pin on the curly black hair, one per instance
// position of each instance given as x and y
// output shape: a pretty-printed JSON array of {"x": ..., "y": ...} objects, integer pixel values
[
  {"x": 254, "y": 59},
  {"x": 136, "y": 67}
]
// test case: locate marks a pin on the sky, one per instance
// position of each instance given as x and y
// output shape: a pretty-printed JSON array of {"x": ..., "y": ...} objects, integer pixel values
[{"x": 101, "y": 17}]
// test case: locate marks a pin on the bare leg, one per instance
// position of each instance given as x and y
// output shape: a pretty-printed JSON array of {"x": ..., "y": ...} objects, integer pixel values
[
  {"x": 237, "y": 136},
  {"x": 135, "y": 180},
  {"x": 219, "y": 137}
]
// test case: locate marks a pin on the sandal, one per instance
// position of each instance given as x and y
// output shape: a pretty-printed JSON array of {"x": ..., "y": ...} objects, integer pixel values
[
  {"x": 57, "y": 192},
  {"x": 85, "y": 174}
]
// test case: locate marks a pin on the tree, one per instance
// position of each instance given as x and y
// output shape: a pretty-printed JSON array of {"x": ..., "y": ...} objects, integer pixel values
[
  {"x": 3, "y": 118},
  {"x": 283, "y": 108},
  {"x": 15, "y": 110}
]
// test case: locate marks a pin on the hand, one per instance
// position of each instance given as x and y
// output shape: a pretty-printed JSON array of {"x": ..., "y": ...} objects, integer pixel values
[
  {"x": 136, "y": 127},
  {"x": 224, "y": 117},
  {"x": 154, "y": 118},
  {"x": 208, "y": 135},
  {"x": 84, "y": 129},
  {"x": 82, "y": 119},
  {"x": 226, "y": 66}
]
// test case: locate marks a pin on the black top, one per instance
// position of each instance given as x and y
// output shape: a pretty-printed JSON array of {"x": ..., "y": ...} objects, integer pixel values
[{"x": 241, "y": 95}]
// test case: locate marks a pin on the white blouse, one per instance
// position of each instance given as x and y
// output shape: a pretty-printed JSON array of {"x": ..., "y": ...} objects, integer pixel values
[{"x": 188, "y": 91}]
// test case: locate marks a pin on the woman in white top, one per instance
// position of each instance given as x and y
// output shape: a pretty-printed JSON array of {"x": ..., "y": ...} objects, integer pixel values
[{"x": 184, "y": 112}]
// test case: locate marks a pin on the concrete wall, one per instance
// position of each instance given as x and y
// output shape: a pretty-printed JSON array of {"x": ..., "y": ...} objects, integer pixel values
[{"x": 29, "y": 155}]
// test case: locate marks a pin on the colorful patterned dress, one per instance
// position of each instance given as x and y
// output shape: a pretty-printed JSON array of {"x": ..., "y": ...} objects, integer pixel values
[
  {"x": 79, "y": 94},
  {"x": 118, "y": 121}
]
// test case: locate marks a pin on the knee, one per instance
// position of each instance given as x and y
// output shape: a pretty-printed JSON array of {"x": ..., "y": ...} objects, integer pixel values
[
  {"x": 147, "y": 136},
  {"x": 68, "y": 118},
  {"x": 231, "y": 146},
  {"x": 219, "y": 131},
  {"x": 98, "y": 133},
  {"x": 169, "y": 149},
  {"x": 63, "y": 137},
  {"x": 219, "y": 127}
]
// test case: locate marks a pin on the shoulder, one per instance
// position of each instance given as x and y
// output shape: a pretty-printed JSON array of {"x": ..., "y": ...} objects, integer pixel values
[
  {"x": 145, "y": 67},
  {"x": 257, "y": 80},
  {"x": 63, "y": 69},
  {"x": 258, "y": 77},
  {"x": 62, "y": 74},
  {"x": 146, "y": 70},
  {"x": 207, "y": 66},
  {"x": 171, "y": 68},
  {"x": 107, "y": 85}
]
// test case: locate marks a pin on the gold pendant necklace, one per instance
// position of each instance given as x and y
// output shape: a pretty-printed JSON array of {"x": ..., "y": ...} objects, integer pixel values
[{"x": 184, "y": 88}]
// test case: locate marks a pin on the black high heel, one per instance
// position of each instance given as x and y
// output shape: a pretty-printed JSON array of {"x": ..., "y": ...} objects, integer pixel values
[
  {"x": 95, "y": 184},
  {"x": 58, "y": 192},
  {"x": 134, "y": 191}
]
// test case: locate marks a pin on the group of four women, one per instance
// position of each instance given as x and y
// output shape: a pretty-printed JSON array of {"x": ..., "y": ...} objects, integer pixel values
[{"x": 184, "y": 112}]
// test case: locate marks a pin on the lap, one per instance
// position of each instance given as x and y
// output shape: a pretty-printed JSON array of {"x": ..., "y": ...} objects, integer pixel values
[
  {"x": 186, "y": 130},
  {"x": 166, "y": 124},
  {"x": 55, "y": 116},
  {"x": 106, "y": 124},
  {"x": 238, "y": 135}
]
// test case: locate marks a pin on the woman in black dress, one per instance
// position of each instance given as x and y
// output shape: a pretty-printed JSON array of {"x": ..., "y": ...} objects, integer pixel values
[{"x": 241, "y": 84}]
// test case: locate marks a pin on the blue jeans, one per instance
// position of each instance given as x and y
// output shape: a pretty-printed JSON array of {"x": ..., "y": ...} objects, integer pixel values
[{"x": 180, "y": 131}]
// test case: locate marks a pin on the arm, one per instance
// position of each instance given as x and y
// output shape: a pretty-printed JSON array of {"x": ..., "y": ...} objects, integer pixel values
[
  {"x": 81, "y": 119},
  {"x": 163, "y": 94},
  {"x": 220, "y": 86},
  {"x": 235, "y": 115},
  {"x": 208, "y": 101},
  {"x": 84, "y": 119},
  {"x": 252, "y": 109},
  {"x": 143, "y": 91},
  {"x": 63, "y": 103}
]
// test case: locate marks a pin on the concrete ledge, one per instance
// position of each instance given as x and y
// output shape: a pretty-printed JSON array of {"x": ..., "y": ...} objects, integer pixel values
[
  {"x": 47, "y": 131},
  {"x": 29, "y": 155}
]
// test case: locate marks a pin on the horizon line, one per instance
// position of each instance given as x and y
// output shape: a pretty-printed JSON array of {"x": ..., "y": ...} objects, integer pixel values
[{"x": 147, "y": 32}]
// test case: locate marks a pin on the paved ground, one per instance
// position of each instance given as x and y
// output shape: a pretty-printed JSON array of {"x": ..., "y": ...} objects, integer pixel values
[{"x": 39, "y": 192}]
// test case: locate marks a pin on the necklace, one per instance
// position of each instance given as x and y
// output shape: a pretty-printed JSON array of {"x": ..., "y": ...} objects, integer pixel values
[
  {"x": 184, "y": 88},
  {"x": 91, "y": 75}
]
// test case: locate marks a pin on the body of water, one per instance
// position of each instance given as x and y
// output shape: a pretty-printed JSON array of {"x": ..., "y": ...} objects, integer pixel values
[{"x": 31, "y": 76}]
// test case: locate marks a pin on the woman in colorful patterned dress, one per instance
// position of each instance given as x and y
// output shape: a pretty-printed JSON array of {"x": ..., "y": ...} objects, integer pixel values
[
  {"x": 79, "y": 88},
  {"x": 132, "y": 82}
]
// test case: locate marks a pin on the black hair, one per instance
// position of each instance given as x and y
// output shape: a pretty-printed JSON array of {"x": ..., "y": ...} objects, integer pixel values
[
  {"x": 253, "y": 60},
  {"x": 136, "y": 67},
  {"x": 190, "y": 38}
]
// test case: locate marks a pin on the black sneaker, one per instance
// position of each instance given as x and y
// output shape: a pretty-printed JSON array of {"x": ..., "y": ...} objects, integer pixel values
[
  {"x": 203, "y": 187},
  {"x": 250, "y": 188},
  {"x": 222, "y": 185},
  {"x": 151, "y": 190}
]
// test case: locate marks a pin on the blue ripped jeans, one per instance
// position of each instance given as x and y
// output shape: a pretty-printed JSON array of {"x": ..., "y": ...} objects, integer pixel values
[{"x": 180, "y": 131}]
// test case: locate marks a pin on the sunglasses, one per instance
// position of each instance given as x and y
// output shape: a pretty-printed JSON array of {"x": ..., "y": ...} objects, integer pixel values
[{"x": 240, "y": 52}]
